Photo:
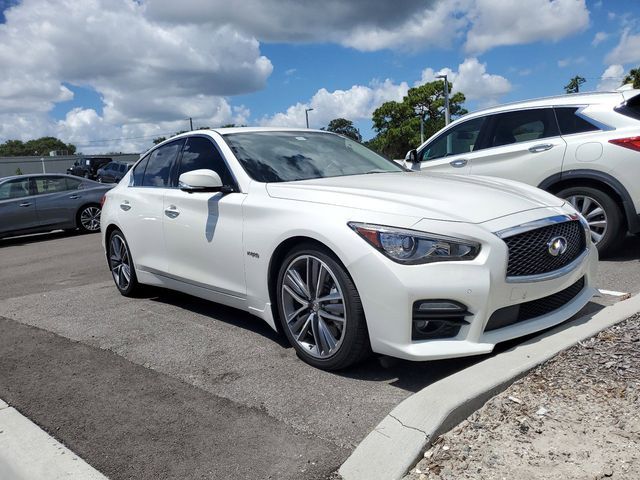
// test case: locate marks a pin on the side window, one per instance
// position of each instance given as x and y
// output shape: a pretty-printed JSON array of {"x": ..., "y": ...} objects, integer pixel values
[
  {"x": 158, "y": 171},
  {"x": 14, "y": 189},
  {"x": 50, "y": 185},
  {"x": 460, "y": 139},
  {"x": 200, "y": 152},
  {"x": 123, "y": 168},
  {"x": 522, "y": 126},
  {"x": 73, "y": 184},
  {"x": 138, "y": 172},
  {"x": 570, "y": 123}
]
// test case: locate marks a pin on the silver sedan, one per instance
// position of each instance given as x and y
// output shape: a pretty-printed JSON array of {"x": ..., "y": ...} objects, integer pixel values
[{"x": 41, "y": 203}]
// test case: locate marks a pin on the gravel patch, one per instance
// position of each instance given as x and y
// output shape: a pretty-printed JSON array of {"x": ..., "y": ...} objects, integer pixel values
[{"x": 574, "y": 417}]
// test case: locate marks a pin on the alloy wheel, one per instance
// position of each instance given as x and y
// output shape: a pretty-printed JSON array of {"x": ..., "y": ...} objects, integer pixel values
[
  {"x": 593, "y": 212},
  {"x": 314, "y": 306},
  {"x": 120, "y": 262},
  {"x": 90, "y": 219}
]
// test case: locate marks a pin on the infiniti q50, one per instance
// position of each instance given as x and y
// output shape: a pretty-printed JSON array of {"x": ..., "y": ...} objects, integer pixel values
[{"x": 344, "y": 251}]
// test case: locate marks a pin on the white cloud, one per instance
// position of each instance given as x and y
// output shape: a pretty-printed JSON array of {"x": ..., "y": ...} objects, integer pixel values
[
  {"x": 354, "y": 104},
  {"x": 627, "y": 50},
  {"x": 473, "y": 80},
  {"x": 598, "y": 38},
  {"x": 496, "y": 22},
  {"x": 565, "y": 62},
  {"x": 611, "y": 78},
  {"x": 145, "y": 71}
]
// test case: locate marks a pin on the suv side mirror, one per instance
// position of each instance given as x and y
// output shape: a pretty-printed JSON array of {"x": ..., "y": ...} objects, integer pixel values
[
  {"x": 412, "y": 156},
  {"x": 203, "y": 180}
]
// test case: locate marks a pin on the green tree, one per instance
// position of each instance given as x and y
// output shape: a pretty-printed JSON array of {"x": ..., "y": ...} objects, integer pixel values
[
  {"x": 398, "y": 123},
  {"x": 39, "y": 146},
  {"x": 574, "y": 84},
  {"x": 632, "y": 77},
  {"x": 18, "y": 171},
  {"x": 344, "y": 127},
  {"x": 159, "y": 140}
]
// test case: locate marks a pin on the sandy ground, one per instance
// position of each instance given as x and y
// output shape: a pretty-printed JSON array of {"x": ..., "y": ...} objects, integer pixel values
[{"x": 575, "y": 417}]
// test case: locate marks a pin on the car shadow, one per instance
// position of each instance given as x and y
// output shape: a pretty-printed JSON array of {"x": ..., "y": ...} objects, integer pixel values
[
  {"x": 629, "y": 249},
  {"x": 39, "y": 237},
  {"x": 403, "y": 374}
]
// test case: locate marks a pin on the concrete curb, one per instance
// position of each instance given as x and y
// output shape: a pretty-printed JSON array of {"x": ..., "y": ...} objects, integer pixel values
[
  {"x": 394, "y": 446},
  {"x": 29, "y": 453}
]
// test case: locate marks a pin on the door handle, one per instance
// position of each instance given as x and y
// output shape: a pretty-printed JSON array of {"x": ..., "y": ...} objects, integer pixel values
[
  {"x": 25, "y": 204},
  {"x": 543, "y": 147},
  {"x": 125, "y": 206},
  {"x": 74, "y": 197},
  {"x": 458, "y": 163},
  {"x": 171, "y": 212}
]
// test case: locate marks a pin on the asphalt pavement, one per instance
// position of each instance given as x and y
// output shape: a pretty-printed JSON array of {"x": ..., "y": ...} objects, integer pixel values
[{"x": 172, "y": 386}]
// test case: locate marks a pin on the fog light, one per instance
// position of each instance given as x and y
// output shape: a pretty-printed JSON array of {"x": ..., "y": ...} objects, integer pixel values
[{"x": 434, "y": 319}]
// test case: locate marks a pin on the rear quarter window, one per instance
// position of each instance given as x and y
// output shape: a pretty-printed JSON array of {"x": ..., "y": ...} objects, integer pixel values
[{"x": 570, "y": 122}]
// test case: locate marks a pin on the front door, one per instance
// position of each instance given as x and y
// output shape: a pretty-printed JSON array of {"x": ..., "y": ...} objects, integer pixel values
[
  {"x": 203, "y": 231},
  {"x": 17, "y": 206}
]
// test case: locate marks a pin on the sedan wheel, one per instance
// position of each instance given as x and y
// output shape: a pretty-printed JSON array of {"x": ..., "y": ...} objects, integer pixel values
[
  {"x": 90, "y": 219},
  {"x": 320, "y": 310},
  {"x": 121, "y": 265}
]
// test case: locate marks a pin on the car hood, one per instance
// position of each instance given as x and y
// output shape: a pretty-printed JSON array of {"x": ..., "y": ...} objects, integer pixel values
[{"x": 435, "y": 196}]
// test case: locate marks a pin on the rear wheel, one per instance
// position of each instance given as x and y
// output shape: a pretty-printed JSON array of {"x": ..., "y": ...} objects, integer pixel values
[
  {"x": 602, "y": 214},
  {"x": 89, "y": 218},
  {"x": 121, "y": 265},
  {"x": 320, "y": 309}
]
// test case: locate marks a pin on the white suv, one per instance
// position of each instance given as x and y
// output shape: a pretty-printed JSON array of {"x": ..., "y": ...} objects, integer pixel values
[{"x": 584, "y": 148}]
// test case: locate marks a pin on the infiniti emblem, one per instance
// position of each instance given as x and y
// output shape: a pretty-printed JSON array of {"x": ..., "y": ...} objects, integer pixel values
[{"x": 557, "y": 246}]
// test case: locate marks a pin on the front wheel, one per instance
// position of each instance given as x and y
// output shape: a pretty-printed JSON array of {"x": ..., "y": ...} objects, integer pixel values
[
  {"x": 601, "y": 213},
  {"x": 320, "y": 310}
]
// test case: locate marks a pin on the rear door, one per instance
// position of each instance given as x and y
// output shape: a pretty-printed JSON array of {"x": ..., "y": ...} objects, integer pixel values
[
  {"x": 17, "y": 205},
  {"x": 141, "y": 207},
  {"x": 454, "y": 149},
  {"x": 523, "y": 145}
]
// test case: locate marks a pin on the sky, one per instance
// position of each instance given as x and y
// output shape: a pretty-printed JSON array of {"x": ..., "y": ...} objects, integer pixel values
[{"x": 111, "y": 75}]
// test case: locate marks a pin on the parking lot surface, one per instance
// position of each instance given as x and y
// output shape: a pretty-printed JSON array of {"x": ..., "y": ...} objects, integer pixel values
[{"x": 172, "y": 386}]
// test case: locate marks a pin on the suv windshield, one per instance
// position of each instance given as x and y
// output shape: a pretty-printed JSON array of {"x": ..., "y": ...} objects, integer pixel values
[{"x": 290, "y": 156}]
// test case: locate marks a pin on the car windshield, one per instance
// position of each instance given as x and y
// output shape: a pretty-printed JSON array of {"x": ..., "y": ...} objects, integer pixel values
[{"x": 290, "y": 156}]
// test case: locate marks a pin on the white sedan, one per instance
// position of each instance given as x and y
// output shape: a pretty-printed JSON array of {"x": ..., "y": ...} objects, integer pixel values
[{"x": 343, "y": 250}]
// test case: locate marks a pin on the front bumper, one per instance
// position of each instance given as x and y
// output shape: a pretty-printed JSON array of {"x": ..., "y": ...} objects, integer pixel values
[{"x": 388, "y": 291}]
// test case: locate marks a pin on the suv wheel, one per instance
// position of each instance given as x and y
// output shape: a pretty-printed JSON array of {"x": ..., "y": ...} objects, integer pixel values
[
  {"x": 602, "y": 214},
  {"x": 320, "y": 309}
]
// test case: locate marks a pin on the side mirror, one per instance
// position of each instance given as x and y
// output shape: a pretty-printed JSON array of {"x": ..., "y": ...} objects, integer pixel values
[
  {"x": 203, "y": 180},
  {"x": 412, "y": 156}
]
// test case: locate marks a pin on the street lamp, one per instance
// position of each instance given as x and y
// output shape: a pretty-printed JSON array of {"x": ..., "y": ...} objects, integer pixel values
[
  {"x": 420, "y": 111},
  {"x": 446, "y": 98},
  {"x": 306, "y": 114}
]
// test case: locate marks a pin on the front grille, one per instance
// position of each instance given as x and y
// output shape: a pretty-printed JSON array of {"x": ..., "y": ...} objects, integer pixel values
[
  {"x": 536, "y": 308},
  {"x": 529, "y": 251}
]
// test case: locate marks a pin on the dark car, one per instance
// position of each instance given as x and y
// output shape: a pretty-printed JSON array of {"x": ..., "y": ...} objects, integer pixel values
[
  {"x": 41, "y": 203},
  {"x": 112, "y": 172},
  {"x": 88, "y": 167}
]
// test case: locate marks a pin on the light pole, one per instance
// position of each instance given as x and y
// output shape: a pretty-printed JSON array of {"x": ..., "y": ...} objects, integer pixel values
[
  {"x": 306, "y": 115},
  {"x": 420, "y": 111},
  {"x": 446, "y": 98}
]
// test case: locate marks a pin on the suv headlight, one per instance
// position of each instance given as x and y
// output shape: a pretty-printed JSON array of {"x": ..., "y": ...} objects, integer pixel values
[{"x": 411, "y": 247}]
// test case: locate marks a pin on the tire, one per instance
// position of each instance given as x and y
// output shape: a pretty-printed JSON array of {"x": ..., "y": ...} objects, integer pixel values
[
  {"x": 88, "y": 218},
  {"x": 121, "y": 265},
  {"x": 601, "y": 212},
  {"x": 314, "y": 330}
]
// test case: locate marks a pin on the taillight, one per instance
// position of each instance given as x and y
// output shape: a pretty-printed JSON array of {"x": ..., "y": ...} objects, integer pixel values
[
  {"x": 630, "y": 142},
  {"x": 103, "y": 200}
]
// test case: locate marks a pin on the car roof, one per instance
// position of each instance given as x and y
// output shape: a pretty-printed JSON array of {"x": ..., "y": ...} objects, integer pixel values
[
  {"x": 587, "y": 98},
  {"x": 39, "y": 175}
]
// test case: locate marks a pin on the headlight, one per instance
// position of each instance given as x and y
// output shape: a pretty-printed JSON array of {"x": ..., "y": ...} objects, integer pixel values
[{"x": 411, "y": 247}]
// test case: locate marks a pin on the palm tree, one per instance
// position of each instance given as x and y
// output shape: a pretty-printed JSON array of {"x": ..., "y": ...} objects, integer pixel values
[
  {"x": 574, "y": 84},
  {"x": 632, "y": 77}
]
